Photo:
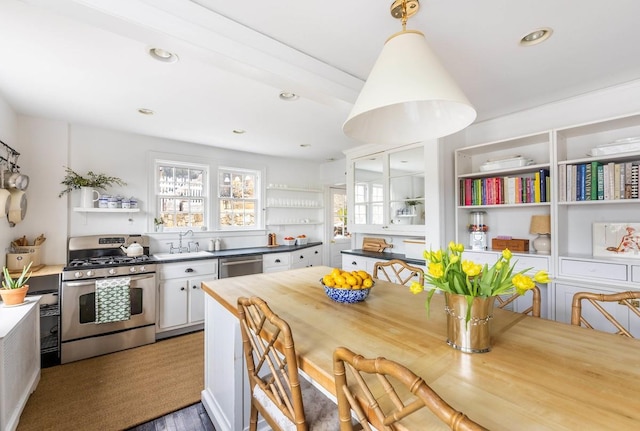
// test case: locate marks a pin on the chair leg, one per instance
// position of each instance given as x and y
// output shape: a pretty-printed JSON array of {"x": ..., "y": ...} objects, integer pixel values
[{"x": 253, "y": 418}]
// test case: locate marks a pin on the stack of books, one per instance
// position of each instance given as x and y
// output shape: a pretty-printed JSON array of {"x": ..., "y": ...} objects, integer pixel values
[
  {"x": 531, "y": 188},
  {"x": 598, "y": 181}
]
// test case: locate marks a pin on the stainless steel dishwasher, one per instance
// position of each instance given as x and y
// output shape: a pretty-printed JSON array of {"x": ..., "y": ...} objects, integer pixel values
[{"x": 239, "y": 265}]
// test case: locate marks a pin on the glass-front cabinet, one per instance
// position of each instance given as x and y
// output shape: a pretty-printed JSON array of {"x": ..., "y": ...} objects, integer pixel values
[{"x": 387, "y": 191}]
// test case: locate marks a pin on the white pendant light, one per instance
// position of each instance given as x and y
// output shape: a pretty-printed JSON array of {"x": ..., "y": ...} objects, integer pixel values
[{"x": 409, "y": 96}]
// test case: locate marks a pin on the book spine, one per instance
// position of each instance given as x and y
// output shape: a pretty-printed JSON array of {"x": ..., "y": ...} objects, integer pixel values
[
  {"x": 600, "y": 188},
  {"x": 587, "y": 182},
  {"x": 634, "y": 180},
  {"x": 616, "y": 181},
  {"x": 627, "y": 180},
  {"x": 574, "y": 174},
  {"x": 594, "y": 180},
  {"x": 544, "y": 187},
  {"x": 468, "y": 196},
  {"x": 562, "y": 183},
  {"x": 610, "y": 184},
  {"x": 580, "y": 182},
  {"x": 536, "y": 187}
]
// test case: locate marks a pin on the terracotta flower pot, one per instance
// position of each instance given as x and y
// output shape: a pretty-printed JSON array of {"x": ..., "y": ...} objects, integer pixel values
[{"x": 14, "y": 296}]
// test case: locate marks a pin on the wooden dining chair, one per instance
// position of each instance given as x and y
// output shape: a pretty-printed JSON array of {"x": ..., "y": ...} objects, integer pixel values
[
  {"x": 629, "y": 299},
  {"x": 534, "y": 309},
  {"x": 398, "y": 271},
  {"x": 286, "y": 401},
  {"x": 387, "y": 408}
]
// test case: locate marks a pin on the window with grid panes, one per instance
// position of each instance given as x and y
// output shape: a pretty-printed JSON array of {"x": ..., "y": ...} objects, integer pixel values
[
  {"x": 182, "y": 194},
  {"x": 239, "y": 199}
]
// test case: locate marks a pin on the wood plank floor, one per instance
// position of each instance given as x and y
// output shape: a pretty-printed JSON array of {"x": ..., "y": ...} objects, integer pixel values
[{"x": 192, "y": 418}]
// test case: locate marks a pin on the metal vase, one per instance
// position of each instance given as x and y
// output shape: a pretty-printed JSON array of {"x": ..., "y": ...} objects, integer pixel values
[{"x": 473, "y": 336}]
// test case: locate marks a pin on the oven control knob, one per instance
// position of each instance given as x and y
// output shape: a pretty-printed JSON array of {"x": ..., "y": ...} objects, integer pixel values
[
  {"x": 113, "y": 271},
  {"x": 78, "y": 274},
  {"x": 133, "y": 269},
  {"x": 143, "y": 268},
  {"x": 89, "y": 273}
]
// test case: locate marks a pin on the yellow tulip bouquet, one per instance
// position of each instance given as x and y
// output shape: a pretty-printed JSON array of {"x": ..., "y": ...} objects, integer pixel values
[{"x": 448, "y": 272}]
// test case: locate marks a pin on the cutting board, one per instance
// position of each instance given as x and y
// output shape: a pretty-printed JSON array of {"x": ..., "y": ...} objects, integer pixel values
[{"x": 375, "y": 244}]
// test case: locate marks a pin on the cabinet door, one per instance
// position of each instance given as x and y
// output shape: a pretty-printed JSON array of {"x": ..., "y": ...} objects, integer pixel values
[
  {"x": 300, "y": 258},
  {"x": 315, "y": 256},
  {"x": 368, "y": 191},
  {"x": 351, "y": 262},
  {"x": 196, "y": 299},
  {"x": 173, "y": 303},
  {"x": 406, "y": 187}
]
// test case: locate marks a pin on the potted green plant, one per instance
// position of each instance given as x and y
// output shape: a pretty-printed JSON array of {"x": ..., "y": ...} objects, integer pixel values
[
  {"x": 158, "y": 223},
  {"x": 74, "y": 181},
  {"x": 411, "y": 203},
  {"x": 14, "y": 290}
]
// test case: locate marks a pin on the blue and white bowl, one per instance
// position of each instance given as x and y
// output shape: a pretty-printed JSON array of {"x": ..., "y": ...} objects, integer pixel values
[{"x": 346, "y": 296}]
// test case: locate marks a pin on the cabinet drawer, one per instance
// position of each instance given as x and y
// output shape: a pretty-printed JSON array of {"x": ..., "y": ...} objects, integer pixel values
[
  {"x": 533, "y": 262},
  {"x": 188, "y": 269},
  {"x": 275, "y": 260},
  {"x": 590, "y": 269}
]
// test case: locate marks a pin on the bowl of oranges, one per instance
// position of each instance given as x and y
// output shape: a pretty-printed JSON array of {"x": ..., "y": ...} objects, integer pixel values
[{"x": 347, "y": 287}]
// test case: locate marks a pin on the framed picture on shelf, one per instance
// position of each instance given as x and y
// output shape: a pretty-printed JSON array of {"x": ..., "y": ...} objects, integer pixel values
[{"x": 616, "y": 240}]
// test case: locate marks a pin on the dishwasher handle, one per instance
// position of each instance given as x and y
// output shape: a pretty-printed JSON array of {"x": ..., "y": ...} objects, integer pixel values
[{"x": 240, "y": 262}]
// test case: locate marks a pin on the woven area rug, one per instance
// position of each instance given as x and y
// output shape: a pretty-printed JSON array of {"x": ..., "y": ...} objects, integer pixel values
[{"x": 118, "y": 390}]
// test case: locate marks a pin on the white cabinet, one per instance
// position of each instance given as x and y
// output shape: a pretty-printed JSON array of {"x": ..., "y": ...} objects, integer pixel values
[
  {"x": 593, "y": 171},
  {"x": 352, "y": 262},
  {"x": 274, "y": 262},
  {"x": 386, "y": 191},
  {"x": 310, "y": 256},
  {"x": 564, "y": 299},
  {"x": 181, "y": 299},
  {"x": 19, "y": 360}
]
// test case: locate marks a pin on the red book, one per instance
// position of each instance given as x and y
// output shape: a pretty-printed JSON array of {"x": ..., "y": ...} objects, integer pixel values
[{"x": 468, "y": 193}]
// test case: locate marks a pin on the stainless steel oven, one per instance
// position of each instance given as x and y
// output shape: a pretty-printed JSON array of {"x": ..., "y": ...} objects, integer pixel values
[{"x": 92, "y": 260}]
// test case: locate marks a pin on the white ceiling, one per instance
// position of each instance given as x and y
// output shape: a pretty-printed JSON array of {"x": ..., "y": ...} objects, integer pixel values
[{"x": 86, "y": 62}]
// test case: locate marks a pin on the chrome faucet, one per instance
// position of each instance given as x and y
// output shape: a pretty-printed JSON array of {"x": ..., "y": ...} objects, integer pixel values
[
  {"x": 180, "y": 248},
  {"x": 181, "y": 235}
]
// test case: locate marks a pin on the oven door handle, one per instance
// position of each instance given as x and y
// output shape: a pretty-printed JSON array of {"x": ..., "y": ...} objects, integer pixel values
[{"x": 89, "y": 282}]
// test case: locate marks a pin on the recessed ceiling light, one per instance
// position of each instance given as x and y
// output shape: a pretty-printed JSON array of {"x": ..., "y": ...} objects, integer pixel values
[
  {"x": 305, "y": 145},
  {"x": 537, "y": 36},
  {"x": 145, "y": 111},
  {"x": 288, "y": 96},
  {"x": 239, "y": 131},
  {"x": 163, "y": 55}
]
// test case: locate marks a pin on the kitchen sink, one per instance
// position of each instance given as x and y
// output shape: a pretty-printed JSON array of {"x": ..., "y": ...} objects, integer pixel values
[{"x": 181, "y": 256}]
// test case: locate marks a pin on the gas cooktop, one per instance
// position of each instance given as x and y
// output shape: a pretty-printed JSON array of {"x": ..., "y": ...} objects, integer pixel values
[{"x": 109, "y": 261}]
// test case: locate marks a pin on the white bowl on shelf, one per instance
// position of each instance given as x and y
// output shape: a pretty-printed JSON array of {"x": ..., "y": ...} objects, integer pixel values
[
  {"x": 301, "y": 241},
  {"x": 289, "y": 241}
]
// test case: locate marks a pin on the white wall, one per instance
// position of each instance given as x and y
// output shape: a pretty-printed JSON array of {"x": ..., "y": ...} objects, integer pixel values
[
  {"x": 51, "y": 145},
  {"x": 8, "y": 135}
]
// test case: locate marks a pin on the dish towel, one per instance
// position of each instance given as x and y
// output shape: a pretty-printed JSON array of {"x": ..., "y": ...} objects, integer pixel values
[{"x": 113, "y": 300}]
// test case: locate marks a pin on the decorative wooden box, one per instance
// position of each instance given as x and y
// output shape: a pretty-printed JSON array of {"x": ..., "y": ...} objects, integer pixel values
[{"x": 511, "y": 244}]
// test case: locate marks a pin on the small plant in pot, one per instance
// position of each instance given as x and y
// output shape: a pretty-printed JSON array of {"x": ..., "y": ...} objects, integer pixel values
[
  {"x": 74, "y": 181},
  {"x": 14, "y": 290}
]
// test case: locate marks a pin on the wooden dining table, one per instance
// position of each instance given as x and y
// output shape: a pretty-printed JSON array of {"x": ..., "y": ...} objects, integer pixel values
[{"x": 539, "y": 375}]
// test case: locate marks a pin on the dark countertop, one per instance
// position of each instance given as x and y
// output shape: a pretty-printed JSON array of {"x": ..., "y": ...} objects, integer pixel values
[
  {"x": 383, "y": 256},
  {"x": 249, "y": 251}
]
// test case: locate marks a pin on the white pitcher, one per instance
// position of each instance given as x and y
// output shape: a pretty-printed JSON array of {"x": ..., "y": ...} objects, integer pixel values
[{"x": 88, "y": 197}]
